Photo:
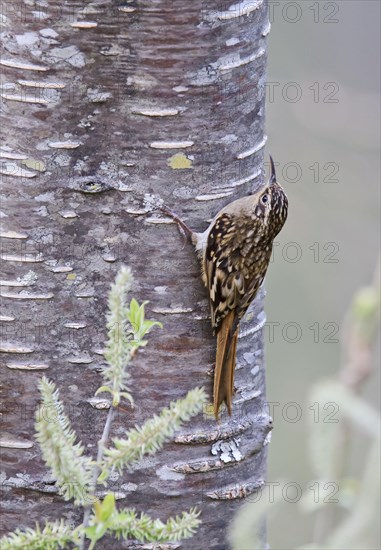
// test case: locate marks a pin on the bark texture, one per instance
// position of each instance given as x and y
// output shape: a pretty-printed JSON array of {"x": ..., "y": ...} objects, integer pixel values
[{"x": 104, "y": 102}]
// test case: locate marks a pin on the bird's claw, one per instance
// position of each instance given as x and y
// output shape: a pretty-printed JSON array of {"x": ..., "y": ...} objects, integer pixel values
[{"x": 183, "y": 228}]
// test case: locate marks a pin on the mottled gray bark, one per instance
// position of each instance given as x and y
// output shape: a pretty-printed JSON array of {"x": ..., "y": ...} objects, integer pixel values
[{"x": 102, "y": 103}]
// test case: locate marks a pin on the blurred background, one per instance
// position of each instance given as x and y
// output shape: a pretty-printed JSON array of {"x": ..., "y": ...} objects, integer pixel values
[{"x": 323, "y": 126}]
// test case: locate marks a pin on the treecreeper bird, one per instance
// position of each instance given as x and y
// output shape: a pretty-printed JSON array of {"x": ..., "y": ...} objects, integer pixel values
[{"x": 235, "y": 252}]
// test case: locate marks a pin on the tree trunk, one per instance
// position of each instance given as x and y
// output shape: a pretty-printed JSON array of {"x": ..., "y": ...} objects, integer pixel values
[{"x": 103, "y": 103}]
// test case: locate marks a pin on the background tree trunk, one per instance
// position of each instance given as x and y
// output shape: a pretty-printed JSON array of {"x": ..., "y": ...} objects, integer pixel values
[{"x": 104, "y": 102}]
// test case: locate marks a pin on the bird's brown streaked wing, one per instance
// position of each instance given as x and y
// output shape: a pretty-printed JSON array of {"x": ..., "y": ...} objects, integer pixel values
[
  {"x": 224, "y": 280},
  {"x": 232, "y": 279}
]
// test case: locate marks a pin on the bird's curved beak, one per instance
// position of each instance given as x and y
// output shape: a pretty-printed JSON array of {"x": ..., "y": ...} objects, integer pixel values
[{"x": 272, "y": 171}]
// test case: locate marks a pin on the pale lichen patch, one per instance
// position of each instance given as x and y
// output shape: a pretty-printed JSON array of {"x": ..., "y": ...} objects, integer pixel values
[
  {"x": 180, "y": 162},
  {"x": 48, "y": 33},
  {"x": 27, "y": 39},
  {"x": 228, "y": 451},
  {"x": 161, "y": 289},
  {"x": 69, "y": 54},
  {"x": 34, "y": 164}
]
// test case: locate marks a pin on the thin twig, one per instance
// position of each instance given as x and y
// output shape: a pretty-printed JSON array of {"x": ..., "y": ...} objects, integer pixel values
[{"x": 97, "y": 467}]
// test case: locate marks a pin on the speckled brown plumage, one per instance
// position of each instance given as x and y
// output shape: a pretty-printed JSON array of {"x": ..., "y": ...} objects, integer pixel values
[{"x": 235, "y": 252}]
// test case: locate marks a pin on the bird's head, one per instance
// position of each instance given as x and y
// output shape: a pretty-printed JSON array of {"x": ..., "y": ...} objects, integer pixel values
[{"x": 271, "y": 204}]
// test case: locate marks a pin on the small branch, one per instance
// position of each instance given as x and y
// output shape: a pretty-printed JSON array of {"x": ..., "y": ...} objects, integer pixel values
[{"x": 101, "y": 447}]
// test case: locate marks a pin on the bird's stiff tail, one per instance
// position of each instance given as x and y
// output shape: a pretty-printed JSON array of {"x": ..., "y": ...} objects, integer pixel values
[{"x": 225, "y": 363}]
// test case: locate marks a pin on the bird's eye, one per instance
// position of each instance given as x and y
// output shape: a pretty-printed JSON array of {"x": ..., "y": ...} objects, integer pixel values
[{"x": 265, "y": 199}]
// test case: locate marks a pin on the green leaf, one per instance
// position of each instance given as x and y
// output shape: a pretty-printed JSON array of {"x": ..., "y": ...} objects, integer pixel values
[
  {"x": 91, "y": 532},
  {"x": 146, "y": 327},
  {"x": 107, "y": 507},
  {"x": 133, "y": 314},
  {"x": 140, "y": 343},
  {"x": 103, "y": 389},
  {"x": 141, "y": 315},
  {"x": 95, "y": 532},
  {"x": 103, "y": 477},
  {"x": 127, "y": 396},
  {"x": 98, "y": 510},
  {"x": 134, "y": 308},
  {"x": 99, "y": 523}
]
